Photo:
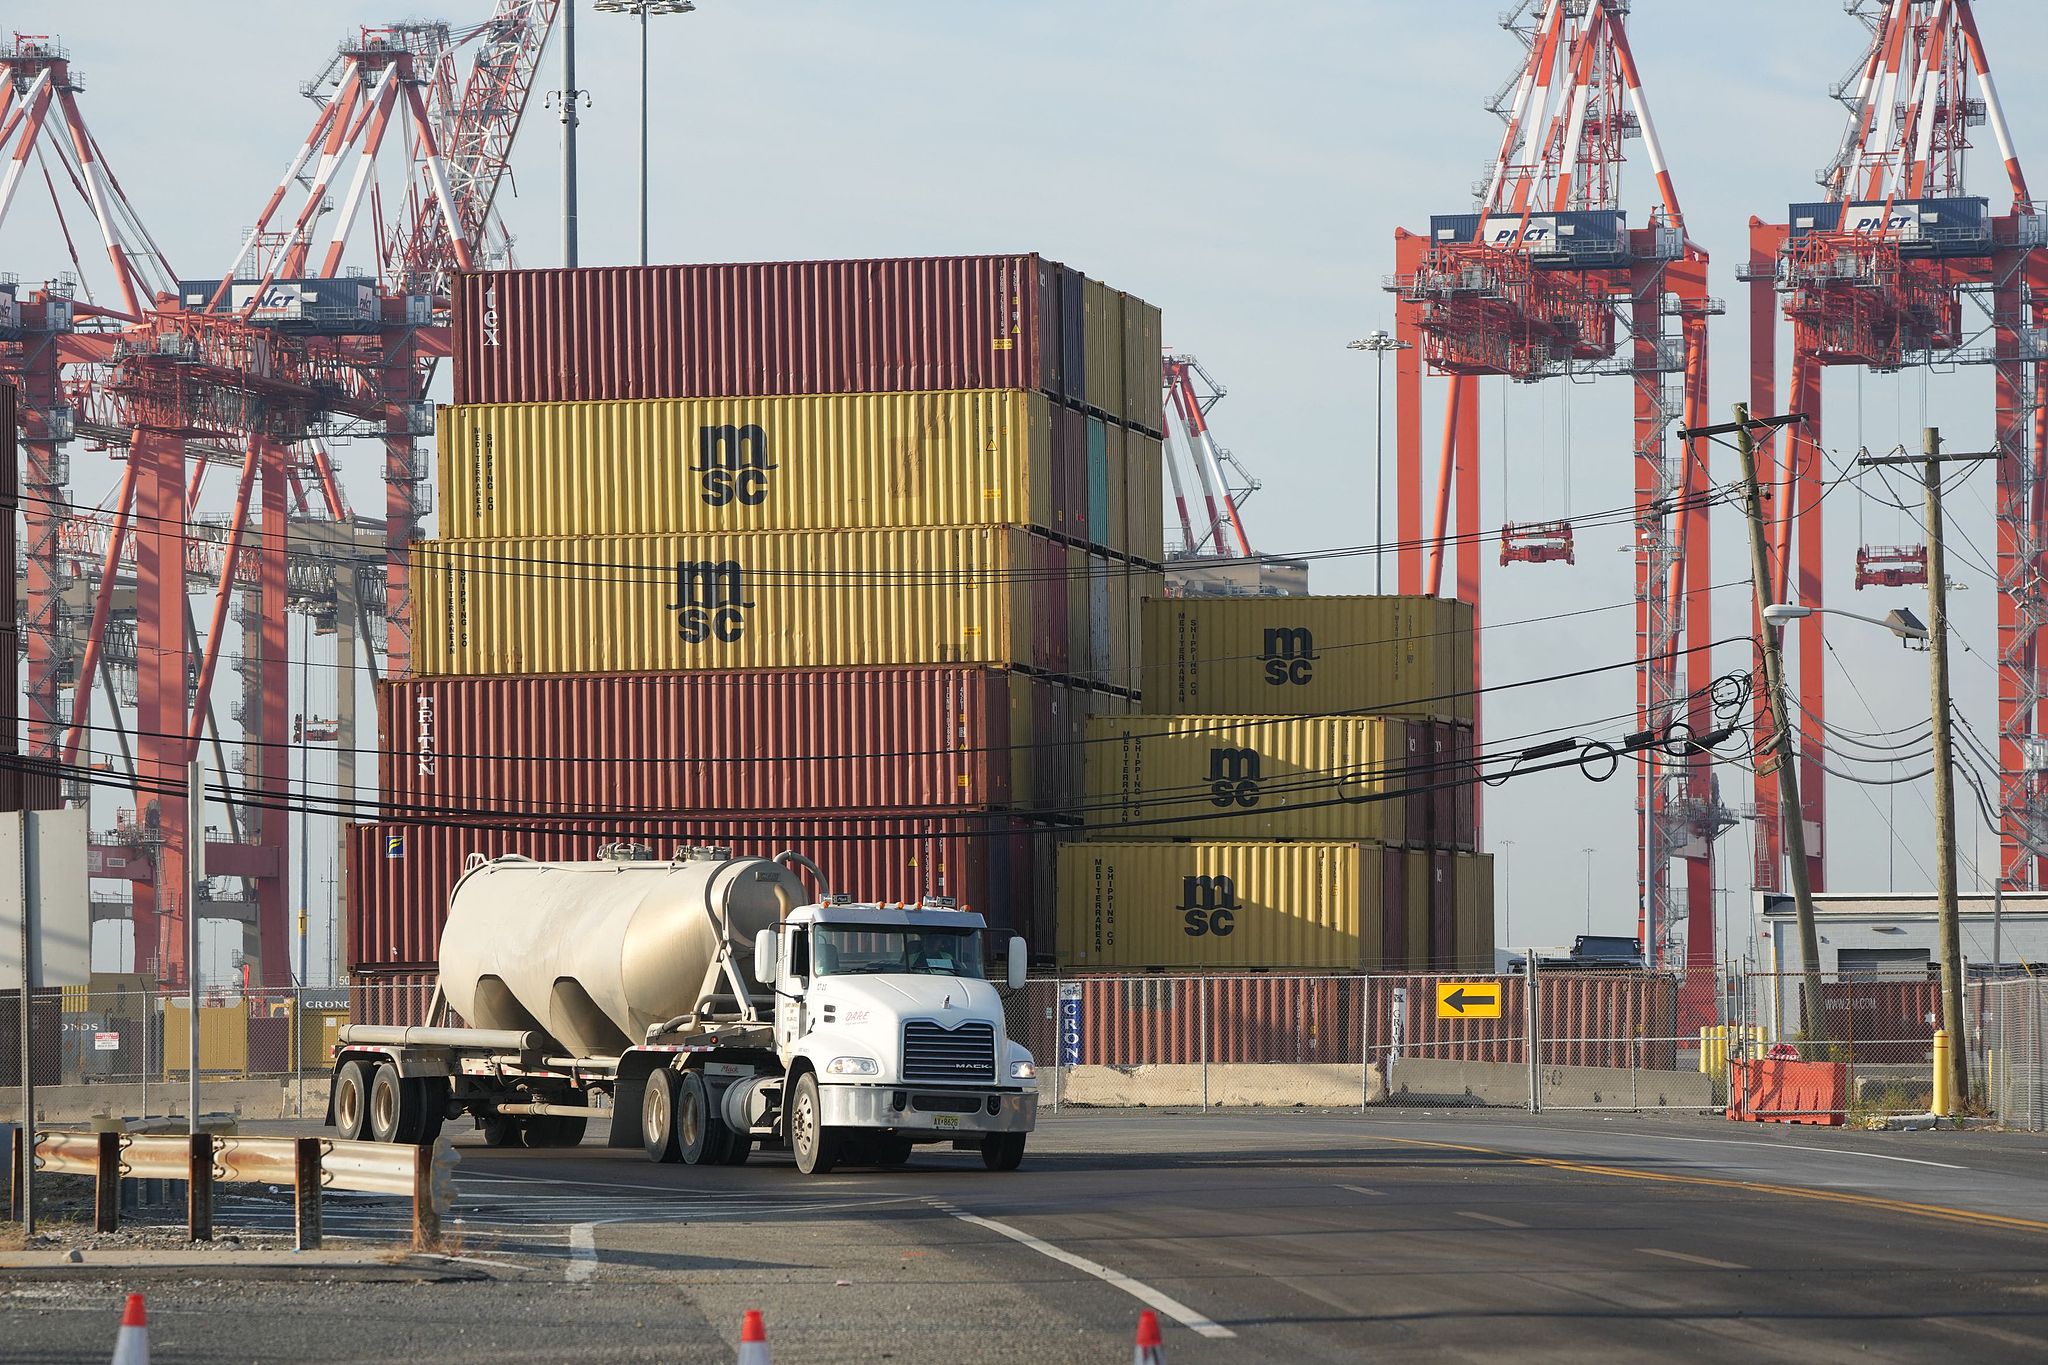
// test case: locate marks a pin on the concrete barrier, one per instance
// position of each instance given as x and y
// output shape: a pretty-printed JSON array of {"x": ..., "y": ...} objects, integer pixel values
[
  {"x": 1218, "y": 1085},
  {"x": 1506, "y": 1084},
  {"x": 267, "y": 1099}
]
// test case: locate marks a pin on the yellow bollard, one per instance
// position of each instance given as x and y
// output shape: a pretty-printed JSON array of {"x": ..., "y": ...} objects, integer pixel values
[{"x": 1943, "y": 1101}]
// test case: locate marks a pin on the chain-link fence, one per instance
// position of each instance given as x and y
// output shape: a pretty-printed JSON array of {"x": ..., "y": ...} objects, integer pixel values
[
  {"x": 1868, "y": 1055},
  {"x": 2009, "y": 1023},
  {"x": 1601, "y": 1040}
]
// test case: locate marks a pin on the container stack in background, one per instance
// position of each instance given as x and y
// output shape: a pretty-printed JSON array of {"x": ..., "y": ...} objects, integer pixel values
[
  {"x": 831, "y": 556},
  {"x": 1297, "y": 794}
]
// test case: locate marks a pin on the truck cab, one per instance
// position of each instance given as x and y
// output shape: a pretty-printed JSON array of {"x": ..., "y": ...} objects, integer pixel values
[{"x": 890, "y": 1033}]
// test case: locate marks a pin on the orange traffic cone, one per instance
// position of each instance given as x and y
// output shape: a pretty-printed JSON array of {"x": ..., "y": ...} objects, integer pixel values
[
  {"x": 753, "y": 1340},
  {"x": 1148, "y": 1350},
  {"x": 132, "y": 1346}
]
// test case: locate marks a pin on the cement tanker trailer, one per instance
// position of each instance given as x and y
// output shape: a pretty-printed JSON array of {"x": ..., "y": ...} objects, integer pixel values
[{"x": 704, "y": 1008}]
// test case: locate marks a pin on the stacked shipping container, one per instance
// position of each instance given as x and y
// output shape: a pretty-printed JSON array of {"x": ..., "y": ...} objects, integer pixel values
[
  {"x": 832, "y": 556},
  {"x": 1335, "y": 732}
]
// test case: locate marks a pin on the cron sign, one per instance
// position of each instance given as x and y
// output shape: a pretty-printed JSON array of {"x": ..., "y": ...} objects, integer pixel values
[
  {"x": 1289, "y": 656},
  {"x": 1208, "y": 905},
  {"x": 1234, "y": 777},
  {"x": 710, "y": 601},
  {"x": 733, "y": 464}
]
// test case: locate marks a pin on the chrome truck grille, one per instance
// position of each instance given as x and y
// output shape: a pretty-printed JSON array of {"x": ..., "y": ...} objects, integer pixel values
[{"x": 963, "y": 1056}]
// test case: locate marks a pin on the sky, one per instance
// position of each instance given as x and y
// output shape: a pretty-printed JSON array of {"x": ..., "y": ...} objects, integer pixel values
[{"x": 1245, "y": 168}]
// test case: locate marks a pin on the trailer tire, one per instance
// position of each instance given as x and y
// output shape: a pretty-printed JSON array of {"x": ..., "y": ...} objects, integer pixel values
[
  {"x": 553, "y": 1130},
  {"x": 351, "y": 1100},
  {"x": 658, "y": 1117},
  {"x": 741, "y": 1147},
  {"x": 394, "y": 1107},
  {"x": 433, "y": 1102},
  {"x": 1002, "y": 1151},
  {"x": 499, "y": 1130},
  {"x": 815, "y": 1146},
  {"x": 701, "y": 1135}
]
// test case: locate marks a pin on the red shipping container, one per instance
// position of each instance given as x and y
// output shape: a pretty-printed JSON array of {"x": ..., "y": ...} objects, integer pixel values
[
  {"x": 771, "y": 327},
  {"x": 1394, "y": 914},
  {"x": 399, "y": 876},
  {"x": 1443, "y": 912},
  {"x": 750, "y": 741}
]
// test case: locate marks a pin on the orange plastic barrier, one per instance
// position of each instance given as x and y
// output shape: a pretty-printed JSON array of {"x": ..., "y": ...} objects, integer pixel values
[{"x": 1774, "y": 1091}]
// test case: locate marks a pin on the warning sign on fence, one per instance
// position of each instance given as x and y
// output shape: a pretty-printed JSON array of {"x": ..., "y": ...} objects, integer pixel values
[{"x": 106, "y": 1042}]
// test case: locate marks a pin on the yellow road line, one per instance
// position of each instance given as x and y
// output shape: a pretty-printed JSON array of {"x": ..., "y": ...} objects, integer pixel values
[{"x": 1868, "y": 1201}]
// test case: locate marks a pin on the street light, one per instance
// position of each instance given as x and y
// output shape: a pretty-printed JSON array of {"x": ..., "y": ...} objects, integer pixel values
[
  {"x": 1902, "y": 623},
  {"x": 1589, "y": 887},
  {"x": 643, "y": 8},
  {"x": 1507, "y": 899},
  {"x": 1379, "y": 343}
]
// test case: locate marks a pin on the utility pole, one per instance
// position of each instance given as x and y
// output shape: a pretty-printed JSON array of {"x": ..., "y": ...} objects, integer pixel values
[
  {"x": 1944, "y": 781},
  {"x": 1948, "y": 917},
  {"x": 1812, "y": 1008}
]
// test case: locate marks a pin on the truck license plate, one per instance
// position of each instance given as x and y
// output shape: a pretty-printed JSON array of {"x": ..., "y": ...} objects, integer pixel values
[{"x": 945, "y": 1120}]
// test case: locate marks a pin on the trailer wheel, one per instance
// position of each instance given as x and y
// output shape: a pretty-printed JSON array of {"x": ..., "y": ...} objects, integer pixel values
[
  {"x": 815, "y": 1146},
  {"x": 701, "y": 1135},
  {"x": 658, "y": 1117},
  {"x": 351, "y": 1099},
  {"x": 499, "y": 1130},
  {"x": 1002, "y": 1151},
  {"x": 553, "y": 1130},
  {"x": 737, "y": 1153},
  {"x": 394, "y": 1107},
  {"x": 433, "y": 1101}
]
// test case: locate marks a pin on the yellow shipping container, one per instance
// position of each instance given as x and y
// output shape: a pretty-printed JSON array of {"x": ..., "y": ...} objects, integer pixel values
[
  {"x": 1144, "y": 500},
  {"x": 962, "y": 594},
  {"x": 1237, "y": 777},
  {"x": 1103, "y": 317},
  {"x": 223, "y": 1038},
  {"x": 1263, "y": 656},
  {"x": 1220, "y": 905},
  {"x": 1143, "y": 386},
  {"x": 825, "y": 462}
]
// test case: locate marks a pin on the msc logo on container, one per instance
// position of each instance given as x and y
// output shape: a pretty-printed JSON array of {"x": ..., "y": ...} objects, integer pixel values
[
  {"x": 1208, "y": 905},
  {"x": 710, "y": 601},
  {"x": 734, "y": 464},
  {"x": 490, "y": 315},
  {"x": 1290, "y": 656},
  {"x": 1234, "y": 777}
]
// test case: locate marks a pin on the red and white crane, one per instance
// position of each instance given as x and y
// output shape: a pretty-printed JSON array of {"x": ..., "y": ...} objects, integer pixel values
[
  {"x": 1546, "y": 280},
  {"x": 1190, "y": 393},
  {"x": 1897, "y": 265}
]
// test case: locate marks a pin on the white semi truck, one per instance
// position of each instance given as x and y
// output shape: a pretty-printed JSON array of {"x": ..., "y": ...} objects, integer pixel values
[{"x": 706, "y": 1008}]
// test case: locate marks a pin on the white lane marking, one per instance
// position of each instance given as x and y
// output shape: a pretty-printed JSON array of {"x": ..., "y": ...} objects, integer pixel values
[
  {"x": 472, "y": 1260},
  {"x": 471, "y": 1177},
  {"x": 1793, "y": 1146},
  {"x": 582, "y": 1253},
  {"x": 1361, "y": 1189},
  {"x": 1707, "y": 1261},
  {"x": 1493, "y": 1218},
  {"x": 1137, "y": 1289}
]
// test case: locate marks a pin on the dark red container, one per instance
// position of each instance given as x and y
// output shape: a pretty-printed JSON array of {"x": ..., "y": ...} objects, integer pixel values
[
  {"x": 396, "y": 998},
  {"x": 739, "y": 330},
  {"x": 1394, "y": 913},
  {"x": 22, "y": 786},
  {"x": 399, "y": 876},
  {"x": 750, "y": 741},
  {"x": 1443, "y": 911}
]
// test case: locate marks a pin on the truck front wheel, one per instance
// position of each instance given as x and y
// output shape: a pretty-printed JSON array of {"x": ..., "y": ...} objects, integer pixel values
[
  {"x": 658, "y": 1117},
  {"x": 815, "y": 1146},
  {"x": 1002, "y": 1151}
]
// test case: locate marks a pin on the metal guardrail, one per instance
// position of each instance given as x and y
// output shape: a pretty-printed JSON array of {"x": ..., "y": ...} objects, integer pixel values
[{"x": 308, "y": 1165}]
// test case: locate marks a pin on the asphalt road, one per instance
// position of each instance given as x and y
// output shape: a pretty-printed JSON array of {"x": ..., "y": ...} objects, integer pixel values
[{"x": 1270, "y": 1236}]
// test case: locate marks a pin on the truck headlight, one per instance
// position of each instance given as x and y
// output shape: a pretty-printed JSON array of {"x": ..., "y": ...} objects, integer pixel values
[
  {"x": 853, "y": 1066},
  {"x": 1023, "y": 1071}
]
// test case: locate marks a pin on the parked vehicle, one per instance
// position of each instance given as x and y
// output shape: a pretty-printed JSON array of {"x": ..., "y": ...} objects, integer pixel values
[
  {"x": 1591, "y": 953},
  {"x": 711, "y": 1008}
]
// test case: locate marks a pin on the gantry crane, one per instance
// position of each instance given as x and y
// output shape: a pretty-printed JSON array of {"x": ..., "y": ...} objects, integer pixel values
[
  {"x": 1897, "y": 266},
  {"x": 1190, "y": 392},
  {"x": 1547, "y": 280}
]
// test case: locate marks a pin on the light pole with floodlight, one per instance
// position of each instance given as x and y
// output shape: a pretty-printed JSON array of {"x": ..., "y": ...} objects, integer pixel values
[
  {"x": 643, "y": 8},
  {"x": 1379, "y": 343}
]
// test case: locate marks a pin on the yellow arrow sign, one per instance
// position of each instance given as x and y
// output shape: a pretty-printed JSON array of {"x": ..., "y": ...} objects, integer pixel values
[{"x": 1468, "y": 1000}]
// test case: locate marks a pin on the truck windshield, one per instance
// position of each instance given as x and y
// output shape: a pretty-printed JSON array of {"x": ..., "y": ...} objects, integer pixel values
[{"x": 845, "y": 950}]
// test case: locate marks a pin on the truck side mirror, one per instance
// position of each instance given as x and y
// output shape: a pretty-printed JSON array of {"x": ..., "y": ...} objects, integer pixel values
[
  {"x": 764, "y": 957},
  {"x": 1020, "y": 963}
]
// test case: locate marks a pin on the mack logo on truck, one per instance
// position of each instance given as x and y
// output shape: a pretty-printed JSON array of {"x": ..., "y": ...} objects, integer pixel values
[
  {"x": 733, "y": 464},
  {"x": 1290, "y": 656},
  {"x": 710, "y": 601},
  {"x": 1234, "y": 777},
  {"x": 1208, "y": 905},
  {"x": 423, "y": 722}
]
